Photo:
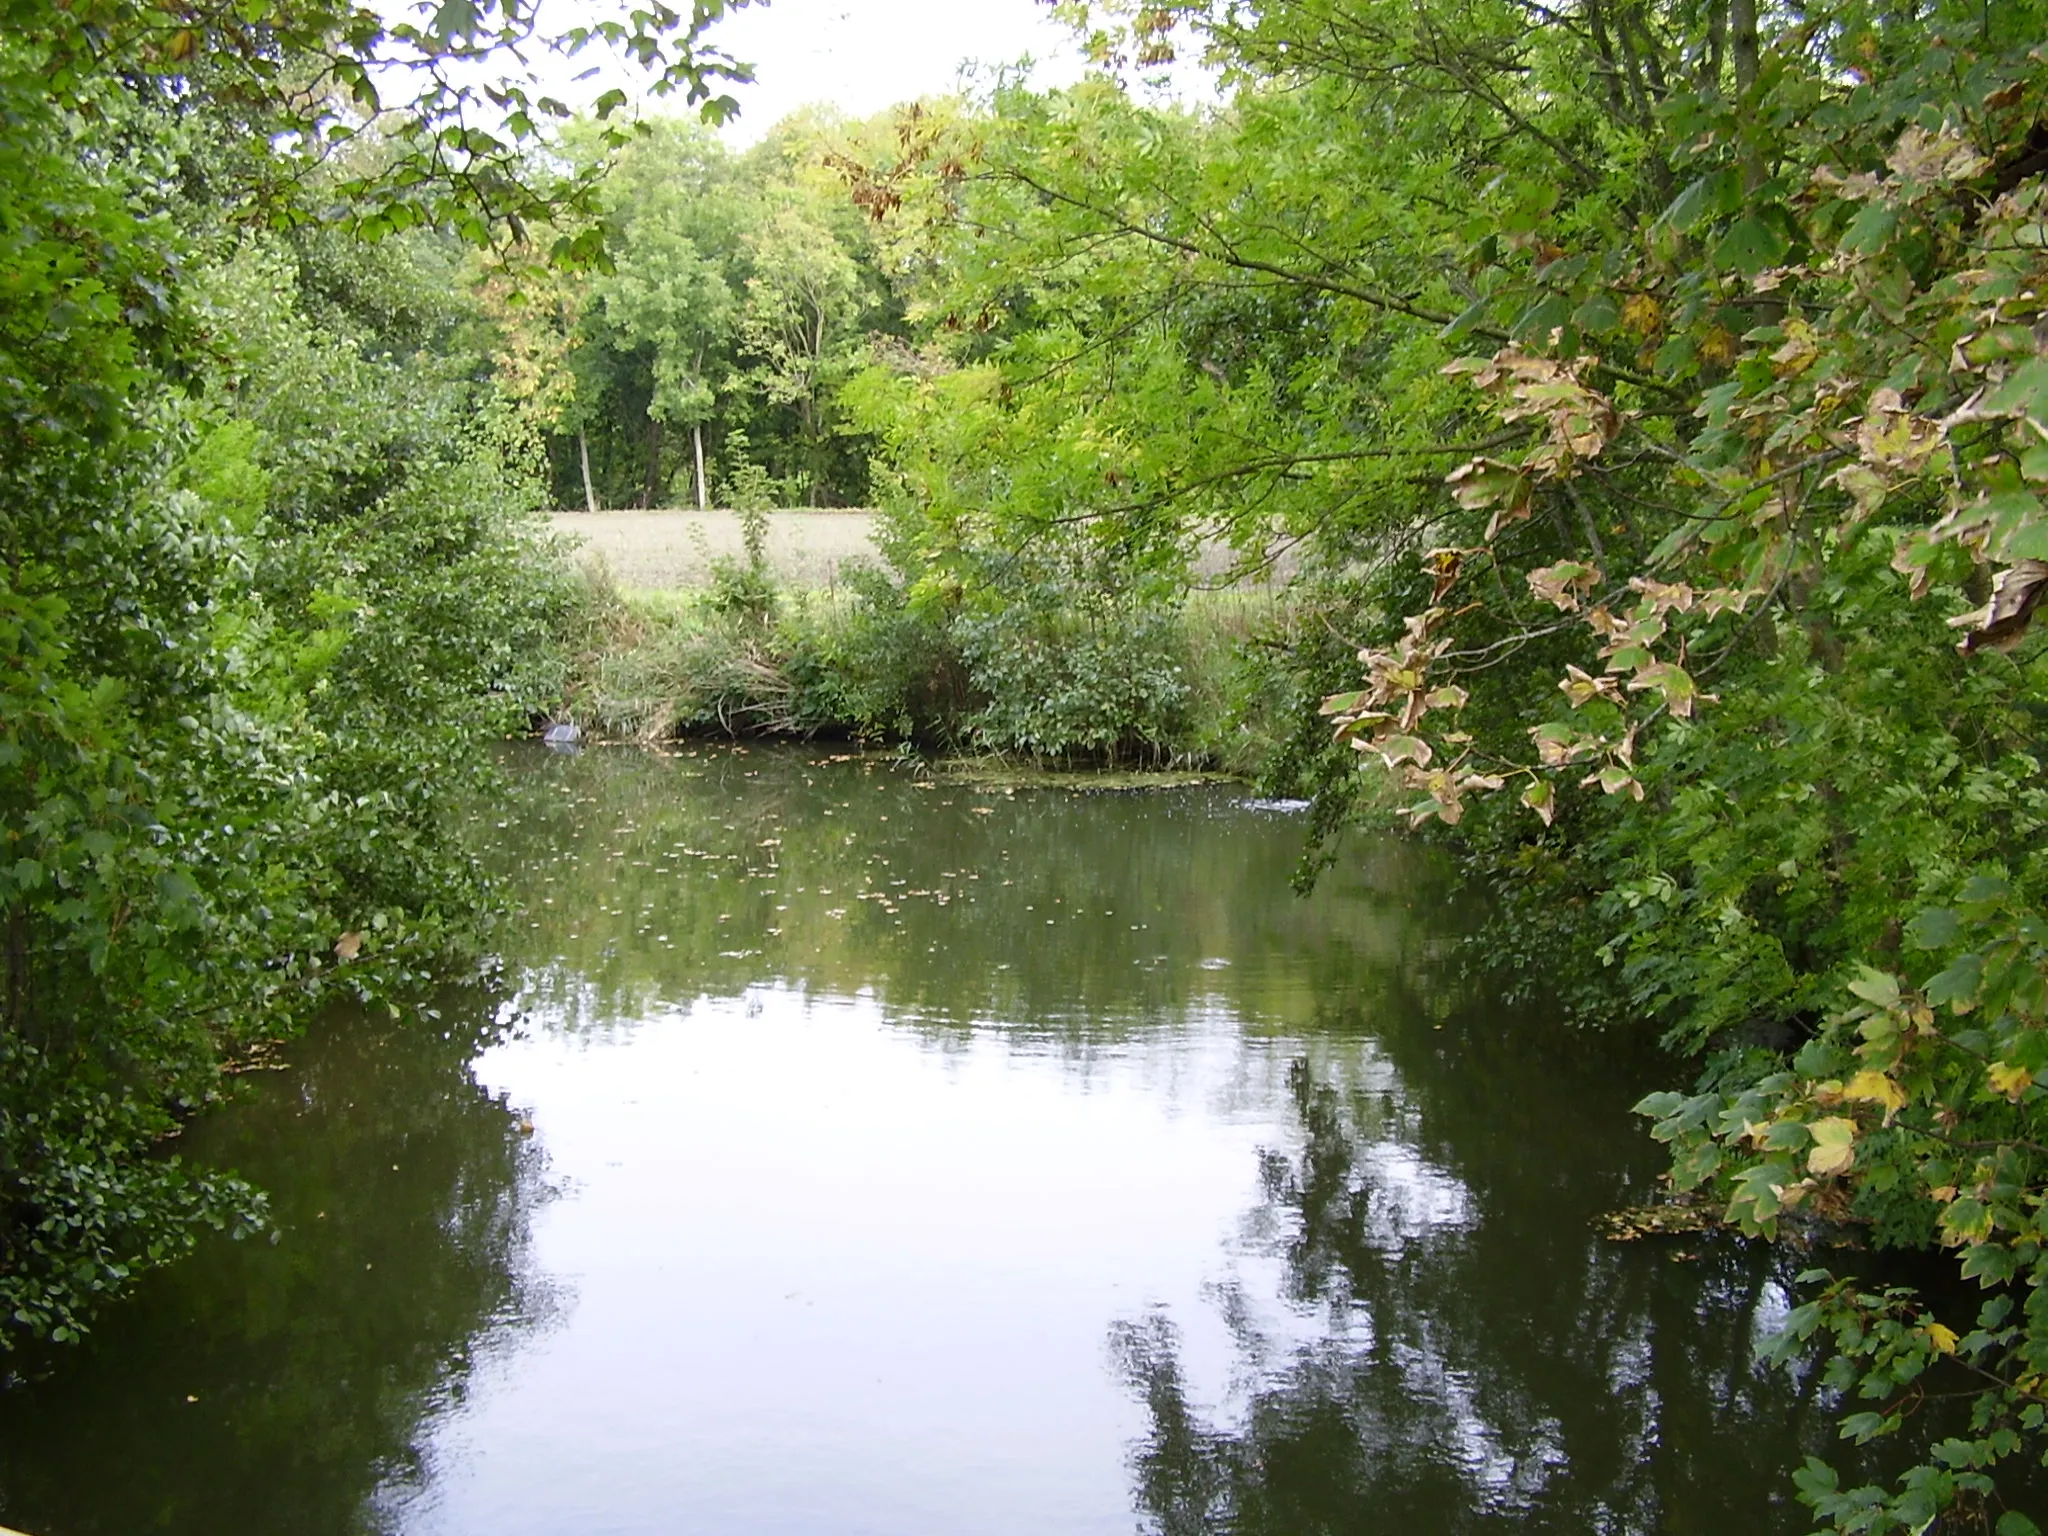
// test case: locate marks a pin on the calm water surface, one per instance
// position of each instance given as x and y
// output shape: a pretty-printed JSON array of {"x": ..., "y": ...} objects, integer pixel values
[{"x": 919, "y": 1160}]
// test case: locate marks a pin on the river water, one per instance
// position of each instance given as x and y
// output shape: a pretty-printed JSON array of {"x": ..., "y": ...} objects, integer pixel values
[{"x": 848, "y": 1151}]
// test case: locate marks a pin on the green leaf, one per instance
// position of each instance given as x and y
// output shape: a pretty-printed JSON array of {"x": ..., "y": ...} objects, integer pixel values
[
  {"x": 1470, "y": 316},
  {"x": 1816, "y": 1480},
  {"x": 1535, "y": 324},
  {"x": 2023, "y": 393},
  {"x": 455, "y": 19},
  {"x": 1935, "y": 928},
  {"x": 1598, "y": 315},
  {"x": 1750, "y": 245},
  {"x": 1676, "y": 354},
  {"x": 1957, "y": 987},
  {"x": 1870, "y": 229},
  {"x": 1989, "y": 1264},
  {"x": 1983, "y": 889},
  {"x": 1708, "y": 197}
]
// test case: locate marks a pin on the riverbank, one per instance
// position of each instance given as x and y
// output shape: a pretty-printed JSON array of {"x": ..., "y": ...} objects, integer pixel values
[{"x": 1094, "y": 680}]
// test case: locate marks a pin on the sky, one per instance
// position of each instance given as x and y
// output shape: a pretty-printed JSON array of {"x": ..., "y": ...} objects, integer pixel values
[
  {"x": 864, "y": 55},
  {"x": 861, "y": 56}
]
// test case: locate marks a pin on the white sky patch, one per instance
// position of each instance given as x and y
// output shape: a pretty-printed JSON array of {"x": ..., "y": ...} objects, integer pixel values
[
  {"x": 858, "y": 56},
  {"x": 864, "y": 55}
]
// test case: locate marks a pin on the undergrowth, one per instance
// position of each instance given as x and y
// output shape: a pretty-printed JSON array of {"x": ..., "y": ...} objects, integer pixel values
[{"x": 1069, "y": 678}]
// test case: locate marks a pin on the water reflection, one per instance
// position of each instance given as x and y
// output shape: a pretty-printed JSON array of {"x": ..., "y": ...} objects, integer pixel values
[
  {"x": 1448, "y": 1348},
  {"x": 867, "y": 1106},
  {"x": 662, "y": 879},
  {"x": 278, "y": 1386}
]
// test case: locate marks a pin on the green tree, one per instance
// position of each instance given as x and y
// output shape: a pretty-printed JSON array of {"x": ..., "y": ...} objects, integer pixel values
[
  {"x": 262, "y": 573},
  {"x": 798, "y": 326},
  {"x": 668, "y": 305}
]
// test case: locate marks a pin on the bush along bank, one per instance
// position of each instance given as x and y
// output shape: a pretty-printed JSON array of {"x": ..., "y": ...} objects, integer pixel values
[
  {"x": 262, "y": 595},
  {"x": 1058, "y": 672}
]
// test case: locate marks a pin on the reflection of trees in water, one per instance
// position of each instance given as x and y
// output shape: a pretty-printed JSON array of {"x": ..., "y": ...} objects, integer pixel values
[
  {"x": 652, "y": 879},
  {"x": 1442, "y": 1362},
  {"x": 275, "y": 1388}
]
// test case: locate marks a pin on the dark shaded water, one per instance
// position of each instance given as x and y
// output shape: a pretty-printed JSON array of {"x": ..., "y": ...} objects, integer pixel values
[{"x": 925, "y": 1161}]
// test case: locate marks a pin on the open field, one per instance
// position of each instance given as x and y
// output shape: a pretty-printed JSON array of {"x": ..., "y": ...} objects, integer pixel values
[{"x": 665, "y": 551}]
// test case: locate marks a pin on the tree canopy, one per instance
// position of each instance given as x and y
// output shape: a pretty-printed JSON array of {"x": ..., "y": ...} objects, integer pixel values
[{"x": 264, "y": 577}]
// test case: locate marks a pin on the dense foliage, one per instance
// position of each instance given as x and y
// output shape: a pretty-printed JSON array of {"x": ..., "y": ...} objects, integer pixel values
[
  {"x": 704, "y": 365},
  {"x": 263, "y": 577}
]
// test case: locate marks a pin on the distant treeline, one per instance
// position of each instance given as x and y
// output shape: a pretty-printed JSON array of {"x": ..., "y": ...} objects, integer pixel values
[{"x": 705, "y": 365}]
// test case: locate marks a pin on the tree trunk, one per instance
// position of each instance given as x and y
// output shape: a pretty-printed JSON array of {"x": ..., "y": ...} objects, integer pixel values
[
  {"x": 589, "y": 490},
  {"x": 651, "y": 492},
  {"x": 1742, "y": 46},
  {"x": 1742, "y": 42},
  {"x": 1717, "y": 45},
  {"x": 813, "y": 456},
  {"x": 697, "y": 438},
  {"x": 14, "y": 1013}
]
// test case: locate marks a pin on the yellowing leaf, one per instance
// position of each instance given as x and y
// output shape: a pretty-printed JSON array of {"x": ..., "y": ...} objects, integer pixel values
[
  {"x": 1581, "y": 687},
  {"x": 2010, "y": 1080},
  {"x": 348, "y": 946},
  {"x": 1642, "y": 314},
  {"x": 1942, "y": 1337},
  {"x": 1875, "y": 1088},
  {"x": 1405, "y": 749},
  {"x": 1671, "y": 680},
  {"x": 1834, "y": 1145},
  {"x": 1725, "y": 600},
  {"x": 1800, "y": 349},
  {"x": 1562, "y": 583},
  {"x": 1556, "y": 744}
]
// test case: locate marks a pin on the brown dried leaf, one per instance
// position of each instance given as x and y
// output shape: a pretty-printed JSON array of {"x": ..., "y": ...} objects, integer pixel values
[
  {"x": 1581, "y": 687},
  {"x": 1935, "y": 157},
  {"x": 1664, "y": 596},
  {"x": 1562, "y": 583},
  {"x": 2002, "y": 623}
]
